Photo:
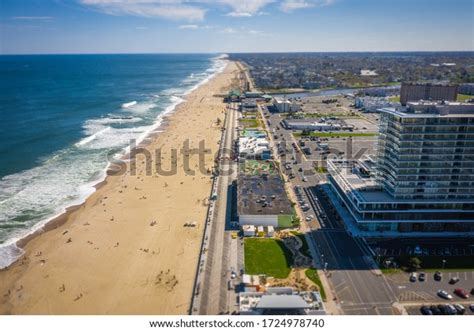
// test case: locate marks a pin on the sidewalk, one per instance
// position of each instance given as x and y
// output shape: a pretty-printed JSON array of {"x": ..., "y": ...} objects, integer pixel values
[{"x": 331, "y": 306}]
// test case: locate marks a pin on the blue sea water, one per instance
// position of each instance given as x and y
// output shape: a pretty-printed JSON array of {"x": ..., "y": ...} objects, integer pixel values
[{"x": 61, "y": 115}]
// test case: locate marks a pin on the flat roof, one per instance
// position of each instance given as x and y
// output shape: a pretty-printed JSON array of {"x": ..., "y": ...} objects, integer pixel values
[
  {"x": 282, "y": 301},
  {"x": 443, "y": 111},
  {"x": 262, "y": 195}
]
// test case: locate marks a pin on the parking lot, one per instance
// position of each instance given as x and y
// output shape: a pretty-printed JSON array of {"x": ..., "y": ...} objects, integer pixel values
[
  {"x": 425, "y": 291},
  {"x": 355, "y": 147}
]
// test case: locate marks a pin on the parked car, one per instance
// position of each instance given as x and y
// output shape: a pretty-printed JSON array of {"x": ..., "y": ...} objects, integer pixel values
[
  {"x": 459, "y": 308},
  {"x": 422, "y": 277},
  {"x": 443, "y": 309},
  {"x": 435, "y": 310},
  {"x": 471, "y": 307},
  {"x": 461, "y": 293},
  {"x": 413, "y": 277},
  {"x": 452, "y": 310},
  {"x": 438, "y": 276},
  {"x": 425, "y": 310},
  {"x": 453, "y": 280},
  {"x": 445, "y": 295}
]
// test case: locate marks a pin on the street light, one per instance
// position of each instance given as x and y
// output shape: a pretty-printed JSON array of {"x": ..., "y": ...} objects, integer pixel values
[{"x": 444, "y": 262}]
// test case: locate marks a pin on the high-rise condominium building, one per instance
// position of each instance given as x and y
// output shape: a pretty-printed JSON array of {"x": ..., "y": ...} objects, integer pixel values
[{"x": 423, "y": 176}]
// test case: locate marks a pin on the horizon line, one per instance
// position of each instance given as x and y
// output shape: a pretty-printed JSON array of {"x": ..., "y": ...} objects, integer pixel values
[{"x": 246, "y": 52}]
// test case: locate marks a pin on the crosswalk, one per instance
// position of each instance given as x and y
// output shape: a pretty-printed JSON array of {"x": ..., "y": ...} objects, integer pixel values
[{"x": 411, "y": 296}]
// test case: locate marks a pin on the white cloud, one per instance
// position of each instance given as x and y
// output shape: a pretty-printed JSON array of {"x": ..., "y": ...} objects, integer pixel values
[
  {"x": 195, "y": 10},
  {"x": 245, "y": 8},
  {"x": 291, "y": 5},
  {"x": 170, "y": 9},
  {"x": 237, "y": 14},
  {"x": 33, "y": 18},
  {"x": 228, "y": 30},
  {"x": 189, "y": 26}
]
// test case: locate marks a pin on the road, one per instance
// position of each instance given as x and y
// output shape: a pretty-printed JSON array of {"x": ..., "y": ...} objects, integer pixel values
[
  {"x": 358, "y": 287},
  {"x": 223, "y": 254},
  {"x": 243, "y": 70}
]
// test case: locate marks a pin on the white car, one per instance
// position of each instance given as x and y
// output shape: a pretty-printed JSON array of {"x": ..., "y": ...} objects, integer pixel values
[{"x": 445, "y": 295}]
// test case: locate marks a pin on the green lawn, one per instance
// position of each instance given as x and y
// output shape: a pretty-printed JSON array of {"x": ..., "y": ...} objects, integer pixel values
[
  {"x": 312, "y": 274},
  {"x": 249, "y": 122},
  {"x": 257, "y": 167},
  {"x": 321, "y": 170},
  {"x": 337, "y": 134},
  {"x": 285, "y": 221},
  {"x": 267, "y": 256},
  {"x": 395, "y": 98},
  {"x": 305, "y": 248},
  {"x": 464, "y": 97}
]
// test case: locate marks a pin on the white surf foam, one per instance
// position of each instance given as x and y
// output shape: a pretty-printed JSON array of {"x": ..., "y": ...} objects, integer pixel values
[
  {"x": 68, "y": 178},
  {"x": 90, "y": 138},
  {"x": 129, "y": 104},
  {"x": 141, "y": 107}
]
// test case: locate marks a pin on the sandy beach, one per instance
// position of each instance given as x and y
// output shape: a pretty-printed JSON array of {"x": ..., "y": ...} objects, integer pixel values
[{"x": 127, "y": 250}]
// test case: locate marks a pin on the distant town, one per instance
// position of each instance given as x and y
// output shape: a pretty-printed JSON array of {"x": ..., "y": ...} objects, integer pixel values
[{"x": 336, "y": 70}]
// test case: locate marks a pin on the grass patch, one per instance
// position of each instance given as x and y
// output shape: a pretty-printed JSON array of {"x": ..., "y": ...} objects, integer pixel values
[
  {"x": 257, "y": 167},
  {"x": 305, "y": 248},
  {"x": 267, "y": 256},
  {"x": 395, "y": 98},
  {"x": 336, "y": 134},
  {"x": 312, "y": 274},
  {"x": 389, "y": 271},
  {"x": 321, "y": 170},
  {"x": 285, "y": 221},
  {"x": 249, "y": 122},
  {"x": 464, "y": 97}
]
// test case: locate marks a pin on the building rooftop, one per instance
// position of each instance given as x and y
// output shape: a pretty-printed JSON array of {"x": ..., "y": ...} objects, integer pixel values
[
  {"x": 432, "y": 109},
  {"x": 281, "y": 300},
  {"x": 262, "y": 195},
  {"x": 281, "y": 100}
]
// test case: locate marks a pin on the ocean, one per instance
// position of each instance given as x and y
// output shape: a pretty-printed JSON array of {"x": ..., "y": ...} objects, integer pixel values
[{"x": 62, "y": 114}]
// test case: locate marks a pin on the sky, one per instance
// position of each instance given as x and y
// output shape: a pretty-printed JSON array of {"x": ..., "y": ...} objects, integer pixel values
[{"x": 216, "y": 26}]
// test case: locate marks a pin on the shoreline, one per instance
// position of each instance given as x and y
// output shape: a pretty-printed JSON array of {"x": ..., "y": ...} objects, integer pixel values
[
  {"x": 18, "y": 243},
  {"x": 34, "y": 243}
]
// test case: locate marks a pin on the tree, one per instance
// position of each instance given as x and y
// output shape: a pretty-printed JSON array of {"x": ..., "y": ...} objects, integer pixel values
[
  {"x": 414, "y": 263},
  {"x": 306, "y": 132}
]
